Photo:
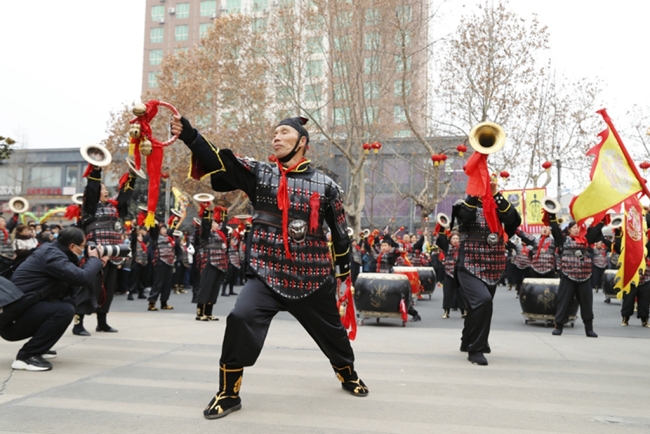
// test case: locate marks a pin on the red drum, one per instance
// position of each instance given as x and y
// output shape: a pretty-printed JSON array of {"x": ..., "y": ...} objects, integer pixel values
[
  {"x": 379, "y": 295},
  {"x": 412, "y": 274},
  {"x": 609, "y": 279},
  {"x": 538, "y": 299},
  {"x": 427, "y": 280}
]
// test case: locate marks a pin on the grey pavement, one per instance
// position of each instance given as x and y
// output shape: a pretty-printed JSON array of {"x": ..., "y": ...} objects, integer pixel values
[{"x": 158, "y": 373}]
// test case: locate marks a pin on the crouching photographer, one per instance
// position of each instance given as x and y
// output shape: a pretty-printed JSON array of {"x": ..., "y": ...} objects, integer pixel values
[{"x": 48, "y": 280}]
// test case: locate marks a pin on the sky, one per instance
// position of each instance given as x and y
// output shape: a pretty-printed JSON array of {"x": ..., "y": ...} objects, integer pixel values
[{"x": 66, "y": 65}]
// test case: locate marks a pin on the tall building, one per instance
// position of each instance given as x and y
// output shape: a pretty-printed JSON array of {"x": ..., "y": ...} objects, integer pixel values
[{"x": 371, "y": 56}]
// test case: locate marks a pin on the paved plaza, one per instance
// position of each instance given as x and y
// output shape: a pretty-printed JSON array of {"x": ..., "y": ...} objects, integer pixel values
[{"x": 157, "y": 374}]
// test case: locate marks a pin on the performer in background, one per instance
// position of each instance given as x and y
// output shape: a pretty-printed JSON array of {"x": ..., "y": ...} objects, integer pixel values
[
  {"x": 289, "y": 261},
  {"x": 234, "y": 264},
  {"x": 100, "y": 220},
  {"x": 575, "y": 273},
  {"x": 542, "y": 264},
  {"x": 138, "y": 266},
  {"x": 451, "y": 298},
  {"x": 7, "y": 254},
  {"x": 599, "y": 265},
  {"x": 214, "y": 248},
  {"x": 163, "y": 246},
  {"x": 522, "y": 262},
  {"x": 481, "y": 263}
]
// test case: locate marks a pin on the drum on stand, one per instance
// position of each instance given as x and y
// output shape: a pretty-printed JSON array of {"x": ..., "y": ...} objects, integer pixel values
[
  {"x": 379, "y": 295},
  {"x": 414, "y": 279},
  {"x": 427, "y": 280},
  {"x": 538, "y": 300},
  {"x": 609, "y": 279}
]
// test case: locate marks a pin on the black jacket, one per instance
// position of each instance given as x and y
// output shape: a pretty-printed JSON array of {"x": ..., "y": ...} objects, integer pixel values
[{"x": 53, "y": 268}]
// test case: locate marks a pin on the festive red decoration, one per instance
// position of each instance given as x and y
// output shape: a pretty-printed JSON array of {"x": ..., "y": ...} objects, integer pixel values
[
  {"x": 504, "y": 175},
  {"x": 443, "y": 158},
  {"x": 366, "y": 148},
  {"x": 376, "y": 146},
  {"x": 345, "y": 304},
  {"x": 461, "y": 149},
  {"x": 547, "y": 165},
  {"x": 644, "y": 165}
]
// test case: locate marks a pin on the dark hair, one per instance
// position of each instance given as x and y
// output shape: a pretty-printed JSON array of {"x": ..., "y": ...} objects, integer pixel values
[
  {"x": 71, "y": 235},
  {"x": 21, "y": 228}
]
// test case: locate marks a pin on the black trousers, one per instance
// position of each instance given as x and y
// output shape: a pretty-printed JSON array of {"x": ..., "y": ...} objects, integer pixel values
[
  {"x": 478, "y": 297},
  {"x": 230, "y": 279},
  {"x": 249, "y": 321},
  {"x": 162, "y": 282},
  {"x": 597, "y": 277},
  {"x": 209, "y": 285},
  {"x": 179, "y": 274},
  {"x": 355, "y": 269},
  {"x": 45, "y": 322},
  {"x": 520, "y": 275},
  {"x": 569, "y": 289},
  {"x": 138, "y": 279},
  {"x": 104, "y": 286},
  {"x": 451, "y": 298},
  {"x": 641, "y": 292}
]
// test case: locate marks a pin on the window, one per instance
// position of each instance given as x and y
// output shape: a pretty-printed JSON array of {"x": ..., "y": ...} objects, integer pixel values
[
  {"x": 405, "y": 133},
  {"x": 402, "y": 38},
  {"x": 371, "y": 65},
  {"x": 402, "y": 86},
  {"x": 404, "y": 14},
  {"x": 313, "y": 92},
  {"x": 314, "y": 68},
  {"x": 371, "y": 90},
  {"x": 182, "y": 32},
  {"x": 342, "y": 43},
  {"x": 259, "y": 5},
  {"x": 344, "y": 19},
  {"x": 315, "y": 45},
  {"x": 157, "y": 13},
  {"x": 71, "y": 176},
  {"x": 208, "y": 8},
  {"x": 11, "y": 179},
  {"x": 341, "y": 115},
  {"x": 155, "y": 57},
  {"x": 400, "y": 115},
  {"x": 371, "y": 115},
  {"x": 156, "y": 35},
  {"x": 372, "y": 40},
  {"x": 45, "y": 176},
  {"x": 340, "y": 92},
  {"x": 182, "y": 10},
  {"x": 372, "y": 17},
  {"x": 340, "y": 69},
  {"x": 203, "y": 29},
  {"x": 233, "y": 6},
  {"x": 153, "y": 79},
  {"x": 400, "y": 64},
  {"x": 285, "y": 3},
  {"x": 259, "y": 24}
]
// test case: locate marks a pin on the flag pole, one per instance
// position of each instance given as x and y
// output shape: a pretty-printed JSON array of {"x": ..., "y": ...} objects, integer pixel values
[{"x": 630, "y": 162}]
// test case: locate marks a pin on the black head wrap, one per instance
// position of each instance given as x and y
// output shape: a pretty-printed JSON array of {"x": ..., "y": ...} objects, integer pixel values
[{"x": 297, "y": 124}]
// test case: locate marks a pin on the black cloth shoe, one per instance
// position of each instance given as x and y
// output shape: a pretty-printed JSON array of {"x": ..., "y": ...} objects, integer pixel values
[
  {"x": 416, "y": 318},
  {"x": 105, "y": 328},
  {"x": 34, "y": 363},
  {"x": 78, "y": 328},
  {"x": 350, "y": 381},
  {"x": 227, "y": 400},
  {"x": 232, "y": 293},
  {"x": 141, "y": 297},
  {"x": 130, "y": 297},
  {"x": 557, "y": 331},
  {"x": 223, "y": 294},
  {"x": 477, "y": 358},
  {"x": 49, "y": 354},
  {"x": 589, "y": 330}
]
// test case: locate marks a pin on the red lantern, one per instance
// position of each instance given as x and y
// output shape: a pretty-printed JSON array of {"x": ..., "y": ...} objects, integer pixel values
[
  {"x": 366, "y": 148},
  {"x": 443, "y": 158},
  {"x": 504, "y": 175},
  {"x": 436, "y": 159},
  {"x": 547, "y": 165},
  {"x": 376, "y": 146},
  {"x": 645, "y": 166},
  {"x": 461, "y": 149}
]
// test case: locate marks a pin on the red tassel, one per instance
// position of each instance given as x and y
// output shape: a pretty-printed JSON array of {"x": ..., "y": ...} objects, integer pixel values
[
  {"x": 72, "y": 212},
  {"x": 349, "y": 318},
  {"x": 437, "y": 229},
  {"x": 141, "y": 216},
  {"x": 283, "y": 203},
  {"x": 203, "y": 207},
  {"x": 402, "y": 309},
  {"x": 89, "y": 169},
  {"x": 314, "y": 208},
  {"x": 171, "y": 219},
  {"x": 123, "y": 180}
]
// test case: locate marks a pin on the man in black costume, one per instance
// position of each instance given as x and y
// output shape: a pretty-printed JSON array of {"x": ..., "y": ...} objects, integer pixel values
[{"x": 289, "y": 259}]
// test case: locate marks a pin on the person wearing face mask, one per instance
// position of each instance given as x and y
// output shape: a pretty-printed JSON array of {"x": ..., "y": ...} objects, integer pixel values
[
  {"x": 101, "y": 221},
  {"x": 575, "y": 272},
  {"x": 290, "y": 265},
  {"x": 49, "y": 277}
]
